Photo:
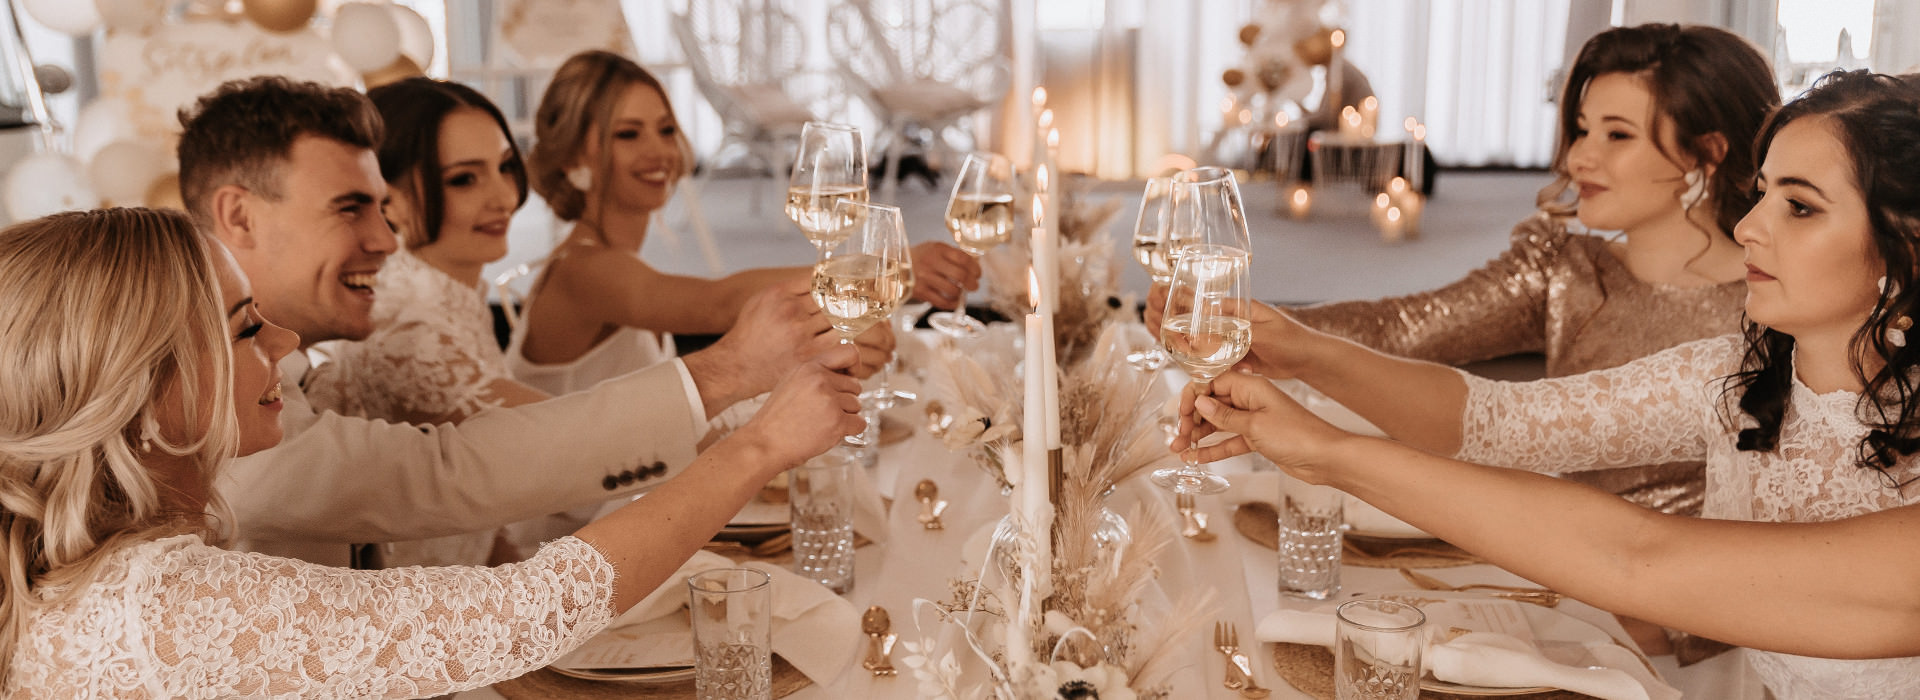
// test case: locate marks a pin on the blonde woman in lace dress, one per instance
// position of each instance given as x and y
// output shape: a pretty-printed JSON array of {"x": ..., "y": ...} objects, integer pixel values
[
  {"x": 138, "y": 364},
  {"x": 1810, "y": 418},
  {"x": 1655, "y": 123}
]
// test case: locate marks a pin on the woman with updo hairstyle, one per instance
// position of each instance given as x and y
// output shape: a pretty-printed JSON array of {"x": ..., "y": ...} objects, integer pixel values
[
  {"x": 607, "y": 154},
  {"x": 136, "y": 365}
]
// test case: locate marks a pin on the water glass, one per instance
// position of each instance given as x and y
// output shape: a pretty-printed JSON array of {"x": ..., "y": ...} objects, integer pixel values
[
  {"x": 1310, "y": 523},
  {"x": 732, "y": 613},
  {"x": 820, "y": 494},
  {"x": 1376, "y": 651}
]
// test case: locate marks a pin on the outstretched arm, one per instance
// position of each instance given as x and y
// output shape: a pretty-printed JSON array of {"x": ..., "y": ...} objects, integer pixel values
[{"x": 1765, "y": 585}]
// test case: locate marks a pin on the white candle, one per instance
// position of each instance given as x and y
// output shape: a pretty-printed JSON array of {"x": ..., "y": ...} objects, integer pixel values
[
  {"x": 1031, "y": 491},
  {"x": 1050, "y": 378},
  {"x": 1393, "y": 224},
  {"x": 1417, "y": 170}
]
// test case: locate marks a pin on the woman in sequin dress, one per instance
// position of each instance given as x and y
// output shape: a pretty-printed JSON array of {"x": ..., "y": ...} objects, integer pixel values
[
  {"x": 154, "y": 367},
  {"x": 1811, "y": 418},
  {"x": 1655, "y": 123}
]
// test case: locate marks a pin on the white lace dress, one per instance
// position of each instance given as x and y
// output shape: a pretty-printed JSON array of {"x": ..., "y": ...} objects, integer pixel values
[
  {"x": 177, "y": 618},
  {"x": 1666, "y": 408},
  {"x": 432, "y": 353}
]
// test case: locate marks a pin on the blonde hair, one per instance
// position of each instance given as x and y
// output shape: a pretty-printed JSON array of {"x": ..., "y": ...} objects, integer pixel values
[
  {"x": 110, "y": 313},
  {"x": 579, "y": 105}
]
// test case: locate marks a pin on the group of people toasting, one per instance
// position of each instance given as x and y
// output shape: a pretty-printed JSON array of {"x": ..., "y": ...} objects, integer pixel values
[{"x": 181, "y": 491}]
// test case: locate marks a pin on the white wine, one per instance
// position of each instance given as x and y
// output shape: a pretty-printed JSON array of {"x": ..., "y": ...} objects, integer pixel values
[
  {"x": 812, "y": 209},
  {"x": 1212, "y": 348},
  {"x": 1151, "y": 253},
  {"x": 857, "y": 291},
  {"x": 980, "y": 221}
]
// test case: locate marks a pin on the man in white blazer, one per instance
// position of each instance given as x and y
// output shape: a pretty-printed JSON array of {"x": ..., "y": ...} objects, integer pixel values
[{"x": 284, "y": 174}]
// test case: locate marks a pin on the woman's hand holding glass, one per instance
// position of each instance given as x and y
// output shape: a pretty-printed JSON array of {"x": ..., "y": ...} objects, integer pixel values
[
  {"x": 1260, "y": 418},
  {"x": 830, "y": 167},
  {"x": 980, "y": 216},
  {"x": 1205, "y": 331}
]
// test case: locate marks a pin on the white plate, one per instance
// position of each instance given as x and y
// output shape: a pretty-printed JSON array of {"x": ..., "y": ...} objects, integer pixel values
[
  {"x": 758, "y": 512},
  {"x": 656, "y": 651}
]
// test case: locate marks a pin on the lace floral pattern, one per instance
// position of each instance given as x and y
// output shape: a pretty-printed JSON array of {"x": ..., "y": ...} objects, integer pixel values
[
  {"x": 432, "y": 353},
  {"x": 177, "y": 618},
  {"x": 1667, "y": 407}
]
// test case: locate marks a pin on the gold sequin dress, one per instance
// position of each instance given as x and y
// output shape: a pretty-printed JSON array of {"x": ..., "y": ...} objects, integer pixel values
[{"x": 1562, "y": 294}]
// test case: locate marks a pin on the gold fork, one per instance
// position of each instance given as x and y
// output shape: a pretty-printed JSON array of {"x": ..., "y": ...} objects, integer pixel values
[
  {"x": 1251, "y": 689},
  {"x": 1235, "y": 679}
]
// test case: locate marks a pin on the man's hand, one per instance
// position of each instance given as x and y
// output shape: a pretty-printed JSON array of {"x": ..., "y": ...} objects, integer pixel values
[
  {"x": 810, "y": 410},
  {"x": 943, "y": 273},
  {"x": 777, "y": 330}
]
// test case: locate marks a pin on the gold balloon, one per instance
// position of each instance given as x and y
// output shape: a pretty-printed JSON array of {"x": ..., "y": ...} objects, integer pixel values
[
  {"x": 164, "y": 193},
  {"x": 279, "y": 15},
  {"x": 1316, "y": 49},
  {"x": 400, "y": 69},
  {"x": 1248, "y": 33},
  {"x": 1233, "y": 77}
]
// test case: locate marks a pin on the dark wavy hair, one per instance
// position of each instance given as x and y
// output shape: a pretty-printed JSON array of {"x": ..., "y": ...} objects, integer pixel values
[
  {"x": 414, "y": 111},
  {"x": 1704, "y": 81},
  {"x": 1876, "y": 118}
]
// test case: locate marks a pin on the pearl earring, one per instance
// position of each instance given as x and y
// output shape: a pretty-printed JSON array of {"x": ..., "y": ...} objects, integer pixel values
[
  {"x": 581, "y": 178},
  {"x": 1898, "y": 327},
  {"x": 1696, "y": 180}
]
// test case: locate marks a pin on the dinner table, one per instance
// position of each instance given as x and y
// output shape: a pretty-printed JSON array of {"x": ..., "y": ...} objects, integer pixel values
[{"x": 909, "y": 562}]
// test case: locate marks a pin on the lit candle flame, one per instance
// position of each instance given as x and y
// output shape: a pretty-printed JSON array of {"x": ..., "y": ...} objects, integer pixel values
[
  {"x": 1280, "y": 120},
  {"x": 1381, "y": 201},
  {"x": 1046, "y": 118},
  {"x": 1393, "y": 215},
  {"x": 1039, "y": 97},
  {"x": 1338, "y": 38},
  {"x": 1039, "y": 209},
  {"x": 1053, "y": 138},
  {"x": 1226, "y": 105},
  {"x": 1397, "y": 185},
  {"x": 1041, "y": 179},
  {"x": 1350, "y": 115},
  {"x": 1301, "y": 197},
  {"x": 1411, "y": 122},
  {"x": 1033, "y": 287},
  {"x": 1419, "y": 132}
]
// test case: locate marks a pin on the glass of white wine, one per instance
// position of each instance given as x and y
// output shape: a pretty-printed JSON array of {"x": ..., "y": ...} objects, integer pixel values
[
  {"x": 864, "y": 272},
  {"x": 830, "y": 167},
  {"x": 1150, "y": 250},
  {"x": 980, "y": 216},
  {"x": 1205, "y": 331}
]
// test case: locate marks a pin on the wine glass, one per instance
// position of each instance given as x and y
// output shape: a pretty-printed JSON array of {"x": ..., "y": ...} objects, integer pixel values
[
  {"x": 1150, "y": 250},
  {"x": 830, "y": 167},
  {"x": 1206, "y": 331},
  {"x": 1204, "y": 209},
  {"x": 980, "y": 216},
  {"x": 862, "y": 273}
]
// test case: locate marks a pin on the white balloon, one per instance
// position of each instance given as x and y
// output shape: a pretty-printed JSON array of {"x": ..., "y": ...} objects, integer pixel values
[
  {"x": 74, "y": 17},
  {"x": 416, "y": 36},
  {"x": 122, "y": 172},
  {"x": 366, "y": 36},
  {"x": 45, "y": 183},
  {"x": 130, "y": 15},
  {"x": 103, "y": 121}
]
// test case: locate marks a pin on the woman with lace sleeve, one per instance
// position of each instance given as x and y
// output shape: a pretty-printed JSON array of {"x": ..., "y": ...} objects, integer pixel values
[
  {"x": 456, "y": 179},
  {"x": 1811, "y": 419},
  {"x": 145, "y": 367},
  {"x": 1654, "y": 126}
]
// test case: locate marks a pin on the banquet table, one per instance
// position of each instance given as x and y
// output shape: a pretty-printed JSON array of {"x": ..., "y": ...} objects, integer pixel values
[{"x": 914, "y": 562}]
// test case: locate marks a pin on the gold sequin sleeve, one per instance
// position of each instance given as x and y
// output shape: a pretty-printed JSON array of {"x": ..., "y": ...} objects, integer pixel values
[{"x": 1497, "y": 310}]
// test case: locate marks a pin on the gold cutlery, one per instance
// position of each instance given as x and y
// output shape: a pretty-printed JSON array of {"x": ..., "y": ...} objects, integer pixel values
[
  {"x": 875, "y": 623},
  {"x": 1537, "y": 596},
  {"x": 1194, "y": 522},
  {"x": 928, "y": 494},
  {"x": 938, "y": 420},
  {"x": 1226, "y": 639}
]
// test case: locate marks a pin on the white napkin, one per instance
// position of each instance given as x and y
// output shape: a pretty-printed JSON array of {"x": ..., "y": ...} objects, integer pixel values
[
  {"x": 1264, "y": 487},
  {"x": 813, "y": 629},
  {"x": 1492, "y": 659}
]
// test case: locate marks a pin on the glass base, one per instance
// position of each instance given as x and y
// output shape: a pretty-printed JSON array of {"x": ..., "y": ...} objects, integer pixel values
[
  {"x": 957, "y": 325},
  {"x": 1189, "y": 480}
]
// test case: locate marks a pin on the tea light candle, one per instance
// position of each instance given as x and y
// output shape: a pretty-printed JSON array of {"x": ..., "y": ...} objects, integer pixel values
[{"x": 1299, "y": 201}]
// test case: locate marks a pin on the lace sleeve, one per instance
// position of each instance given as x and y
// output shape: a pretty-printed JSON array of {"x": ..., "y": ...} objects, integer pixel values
[
  {"x": 423, "y": 369},
  {"x": 217, "y": 623},
  {"x": 1661, "y": 408},
  {"x": 1495, "y": 311}
]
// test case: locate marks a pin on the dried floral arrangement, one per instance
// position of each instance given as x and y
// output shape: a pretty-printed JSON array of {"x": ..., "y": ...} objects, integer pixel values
[{"x": 1092, "y": 633}]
